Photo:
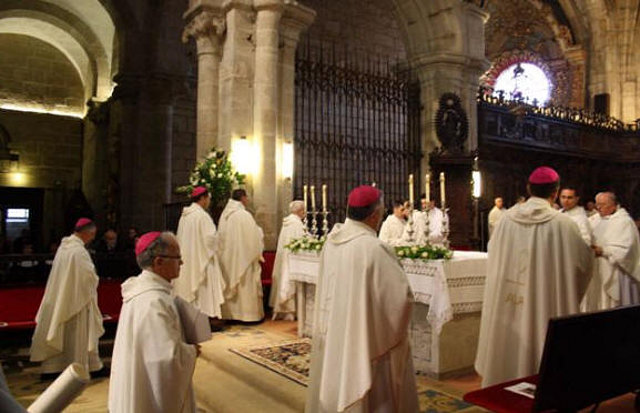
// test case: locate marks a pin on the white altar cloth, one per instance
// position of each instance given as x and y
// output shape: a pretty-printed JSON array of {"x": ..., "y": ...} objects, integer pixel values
[{"x": 448, "y": 287}]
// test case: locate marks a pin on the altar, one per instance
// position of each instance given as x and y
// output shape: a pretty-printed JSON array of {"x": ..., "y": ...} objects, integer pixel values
[{"x": 445, "y": 323}]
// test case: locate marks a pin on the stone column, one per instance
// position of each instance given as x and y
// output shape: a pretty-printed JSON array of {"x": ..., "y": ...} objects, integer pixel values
[
  {"x": 206, "y": 26},
  {"x": 265, "y": 109},
  {"x": 295, "y": 20}
]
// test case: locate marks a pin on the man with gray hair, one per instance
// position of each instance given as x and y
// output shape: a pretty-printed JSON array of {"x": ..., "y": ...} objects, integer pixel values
[
  {"x": 282, "y": 297},
  {"x": 152, "y": 365},
  {"x": 616, "y": 275}
]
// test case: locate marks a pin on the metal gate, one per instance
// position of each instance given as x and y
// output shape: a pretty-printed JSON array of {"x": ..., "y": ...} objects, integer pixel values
[{"x": 357, "y": 121}]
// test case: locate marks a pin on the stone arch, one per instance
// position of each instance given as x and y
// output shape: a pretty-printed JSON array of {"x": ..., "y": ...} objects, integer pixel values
[{"x": 86, "y": 39}]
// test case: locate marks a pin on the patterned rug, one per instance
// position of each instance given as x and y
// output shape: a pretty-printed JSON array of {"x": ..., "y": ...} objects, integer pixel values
[{"x": 292, "y": 359}]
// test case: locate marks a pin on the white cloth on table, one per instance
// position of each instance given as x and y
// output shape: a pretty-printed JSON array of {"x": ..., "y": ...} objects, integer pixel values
[
  {"x": 538, "y": 268},
  {"x": 69, "y": 322},
  {"x": 361, "y": 360},
  {"x": 152, "y": 366},
  {"x": 200, "y": 282},
  {"x": 241, "y": 245}
]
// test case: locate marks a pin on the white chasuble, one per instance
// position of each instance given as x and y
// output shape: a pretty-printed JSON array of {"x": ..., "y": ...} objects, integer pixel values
[
  {"x": 241, "y": 247},
  {"x": 392, "y": 230},
  {"x": 616, "y": 275},
  {"x": 579, "y": 216},
  {"x": 200, "y": 281},
  {"x": 361, "y": 359},
  {"x": 538, "y": 267},
  {"x": 69, "y": 322},
  {"x": 152, "y": 366},
  {"x": 282, "y": 289},
  {"x": 494, "y": 217}
]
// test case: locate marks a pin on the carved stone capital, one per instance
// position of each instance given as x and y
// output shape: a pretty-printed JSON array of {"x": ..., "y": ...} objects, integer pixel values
[{"x": 207, "y": 28}]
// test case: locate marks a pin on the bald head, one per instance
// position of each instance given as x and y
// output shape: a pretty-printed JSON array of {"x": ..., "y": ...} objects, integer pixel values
[
  {"x": 297, "y": 208},
  {"x": 606, "y": 203}
]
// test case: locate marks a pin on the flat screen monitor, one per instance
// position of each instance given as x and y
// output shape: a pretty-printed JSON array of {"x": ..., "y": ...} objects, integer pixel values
[{"x": 589, "y": 358}]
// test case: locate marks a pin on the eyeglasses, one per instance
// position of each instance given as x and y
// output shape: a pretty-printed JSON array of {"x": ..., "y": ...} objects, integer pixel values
[{"x": 171, "y": 257}]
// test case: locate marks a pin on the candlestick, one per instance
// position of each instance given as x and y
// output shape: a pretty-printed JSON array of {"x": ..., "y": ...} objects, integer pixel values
[
  {"x": 411, "y": 189},
  {"x": 442, "y": 195},
  {"x": 313, "y": 198},
  {"x": 304, "y": 195},
  {"x": 324, "y": 197},
  {"x": 427, "y": 187}
]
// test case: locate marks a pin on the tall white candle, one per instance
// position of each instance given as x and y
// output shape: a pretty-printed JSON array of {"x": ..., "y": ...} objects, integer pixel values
[
  {"x": 411, "y": 190},
  {"x": 442, "y": 195},
  {"x": 313, "y": 198},
  {"x": 427, "y": 187},
  {"x": 304, "y": 195},
  {"x": 324, "y": 197}
]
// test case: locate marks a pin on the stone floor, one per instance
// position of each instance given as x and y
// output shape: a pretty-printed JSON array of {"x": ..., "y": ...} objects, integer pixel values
[{"x": 245, "y": 385}]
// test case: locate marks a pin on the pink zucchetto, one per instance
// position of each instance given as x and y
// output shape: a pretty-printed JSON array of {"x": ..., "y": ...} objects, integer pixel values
[
  {"x": 197, "y": 191},
  {"x": 81, "y": 223},
  {"x": 363, "y": 196},
  {"x": 145, "y": 240},
  {"x": 543, "y": 175}
]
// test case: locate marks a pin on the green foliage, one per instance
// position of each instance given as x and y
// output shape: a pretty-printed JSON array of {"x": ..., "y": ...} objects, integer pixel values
[
  {"x": 306, "y": 244},
  {"x": 423, "y": 252},
  {"x": 216, "y": 173}
]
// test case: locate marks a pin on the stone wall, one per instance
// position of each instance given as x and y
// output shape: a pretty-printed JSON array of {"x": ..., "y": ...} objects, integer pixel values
[
  {"x": 35, "y": 74},
  {"x": 368, "y": 27}
]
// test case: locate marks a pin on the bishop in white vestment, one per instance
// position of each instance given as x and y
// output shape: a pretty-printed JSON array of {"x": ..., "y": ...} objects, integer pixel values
[
  {"x": 241, "y": 247},
  {"x": 282, "y": 297},
  {"x": 538, "y": 267},
  {"x": 361, "y": 359},
  {"x": 152, "y": 366},
  {"x": 616, "y": 275},
  {"x": 200, "y": 282},
  {"x": 393, "y": 227},
  {"x": 69, "y": 322}
]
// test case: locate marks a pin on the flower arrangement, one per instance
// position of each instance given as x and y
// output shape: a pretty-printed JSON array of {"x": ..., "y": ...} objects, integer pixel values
[
  {"x": 306, "y": 244},
  {"x": 423, "y": 252},
  {"x": 216, "y": 173}
]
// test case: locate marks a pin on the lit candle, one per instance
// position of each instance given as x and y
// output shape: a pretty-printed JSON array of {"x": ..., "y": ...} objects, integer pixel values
[
  {"x": 313, "y": 198},
  {"x": 304, "y": 195},
  {"x": 373, "y": 184},
  {"x": 411, "y": 190},
  {"x": 324, "y": 197},
  {"x": 442, "y": 196},
  {"x": 427, "y": 187}
]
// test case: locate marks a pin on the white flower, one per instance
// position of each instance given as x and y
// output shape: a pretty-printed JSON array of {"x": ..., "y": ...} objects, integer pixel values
[
  {"x": 414, "y": 249},
  {"x": 401, "y": 253},
  {"x": 318, "y": 246},
  {"x": 424, "y": 255}
]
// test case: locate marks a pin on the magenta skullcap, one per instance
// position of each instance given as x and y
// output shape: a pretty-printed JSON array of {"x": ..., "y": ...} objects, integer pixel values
[
  {"x": 145, "y": 240},
  {"x": 363, "y": 196},
  {"x": 543, "y": 175},
  {"x": 197, "y": 191},
  {"x": 82, "y": 222}
]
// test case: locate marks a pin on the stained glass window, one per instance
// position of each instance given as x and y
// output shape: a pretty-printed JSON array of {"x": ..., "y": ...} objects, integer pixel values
[{"x": 526, "y": 81}]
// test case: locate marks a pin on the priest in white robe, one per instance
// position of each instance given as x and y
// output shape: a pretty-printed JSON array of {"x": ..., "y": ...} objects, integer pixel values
[
  {"x": 152, "y": 366},
  {"x": 200, "y": 282},
  {"x": 393, "y": 227},
  {"x": 569, "y": 200},
  {"x": 538, "y": 267},
  {"x": 69, "y": 322},
  {"x": 361, "y": 359},
  {"x": 435, "y": 217},
  {"x": 495, "y": 214},
  {"x": 283, "y": 290},
  {"x": 241, "y": 247},
  {"x": 616, "y": 276}
]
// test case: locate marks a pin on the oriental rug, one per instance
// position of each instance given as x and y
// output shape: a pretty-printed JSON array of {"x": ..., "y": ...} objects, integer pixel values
[{"x": 290, "y": 358}]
